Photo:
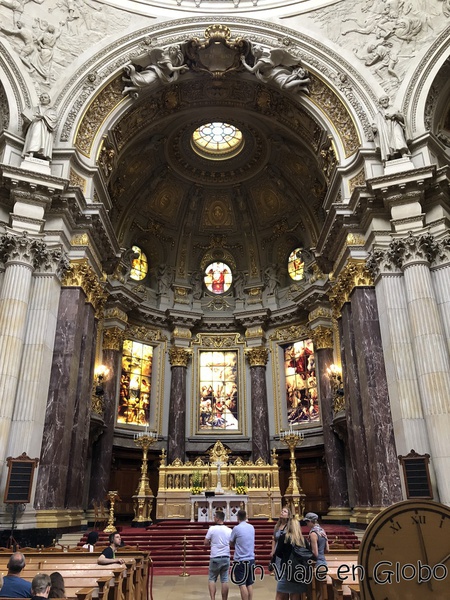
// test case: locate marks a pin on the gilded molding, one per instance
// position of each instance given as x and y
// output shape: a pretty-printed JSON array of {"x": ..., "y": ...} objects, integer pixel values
[
  {"x": 218, "y": 341},
  {"x": 257, "y": 357},
  {"x": 145, "y": 334},
  {"x": 75, "y": 180},
  {"x": 292, "y": 332},
  {"x": 179, "y": 357},
  {"x": 322, "y": 337},
  {"x": 320, "y": 313},
  {"x": 99, "y": 109},
  {"x": 113, "y": 339},
  {"x": 354, "y": 274},
  {"x": 80, "y": 274}
]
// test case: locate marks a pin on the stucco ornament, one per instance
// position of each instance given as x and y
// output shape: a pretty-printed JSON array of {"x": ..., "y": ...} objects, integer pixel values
[
  {"x": 278, "y": 67},
  {"x": 162, "y": 66}
]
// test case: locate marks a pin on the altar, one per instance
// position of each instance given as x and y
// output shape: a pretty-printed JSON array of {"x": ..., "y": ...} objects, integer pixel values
[
  {"x": 203, "y": 507},
  {"x": 224, "y": 477}
]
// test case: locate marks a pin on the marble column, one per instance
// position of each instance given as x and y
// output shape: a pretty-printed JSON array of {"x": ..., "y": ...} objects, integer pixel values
[
  {"x": 29, "y": 411},
  {"x": 415, "y": 254},
  {"x": 176, "y": 438},
  {"x": 333, "y": 446},
  {"x": 257, "y": 358},
  {"x": 406, "y": 409},
  {"x": 353, "y": 409},
  {"x": 59, "y": 416},
  {"x": 18, "y": 253},
  {"x": 82, "y": 412},
  {"x": 103, "y": 447},
  {"x": 384, "y": 474}
]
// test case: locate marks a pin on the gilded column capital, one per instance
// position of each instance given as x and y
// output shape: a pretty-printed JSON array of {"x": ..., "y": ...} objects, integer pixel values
[
  {"x": 81, "y": 274},
  {"x": 257, "y": 357},
  {"x": 322, "y": 337},
  {"x": 179, "y": 357},
  {"x": 354, "y": 274},
  {"x": 113, "y": 339},
  {"x": 414, "y": 249}
]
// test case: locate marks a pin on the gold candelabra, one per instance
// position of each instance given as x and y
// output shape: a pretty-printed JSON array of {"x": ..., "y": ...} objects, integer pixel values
[
  {"x": 294, "y": 493},
  {"x": 143, "y": 499},
  {"x": 112, "y": 497}
]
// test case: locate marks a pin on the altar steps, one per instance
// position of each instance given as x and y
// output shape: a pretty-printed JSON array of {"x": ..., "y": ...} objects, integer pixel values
[{"x": 165, "y": 541}]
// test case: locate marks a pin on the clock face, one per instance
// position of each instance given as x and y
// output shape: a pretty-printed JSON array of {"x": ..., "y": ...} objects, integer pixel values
[{"x": 405, "y": 553}]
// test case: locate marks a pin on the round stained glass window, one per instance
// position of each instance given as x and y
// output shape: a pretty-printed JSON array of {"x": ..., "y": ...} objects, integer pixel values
[
  {"x": 218, "y": 277},
  {"x": 139, "y": 265},
  {"x": 296, "y": 266},
  {"x": 217, "y": 141}
]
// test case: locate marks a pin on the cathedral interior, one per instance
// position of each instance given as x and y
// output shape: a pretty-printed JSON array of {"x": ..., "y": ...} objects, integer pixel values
[{"x": 224, "y": 220}]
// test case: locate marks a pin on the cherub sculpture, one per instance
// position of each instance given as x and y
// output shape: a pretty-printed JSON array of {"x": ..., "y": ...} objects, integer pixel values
[
  {"x": 279, "y": 67},
  {"x": 165, "y": 66}
]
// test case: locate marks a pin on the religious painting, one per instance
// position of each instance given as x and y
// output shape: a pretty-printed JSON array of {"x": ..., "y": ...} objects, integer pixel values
[
  {"x": 135, "y": 383},
  {"x": 218, "y": 401},
  {"x": 218, "y": 277},
  {"x": 301, "y": 383}
]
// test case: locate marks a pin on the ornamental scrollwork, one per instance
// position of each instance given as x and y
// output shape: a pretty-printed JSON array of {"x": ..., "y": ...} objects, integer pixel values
[
  {"x": 179, "y": 357},
  {"x": 257, "y": 357}
]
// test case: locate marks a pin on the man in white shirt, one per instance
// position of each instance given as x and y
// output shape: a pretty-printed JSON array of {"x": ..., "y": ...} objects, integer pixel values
[
  {"x": 243, "y": 540},
  {"x": 218, "y": 537}
]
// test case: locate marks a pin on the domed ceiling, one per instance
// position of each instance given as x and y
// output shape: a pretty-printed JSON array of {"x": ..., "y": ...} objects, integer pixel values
[{"x": 173, "y": 202}]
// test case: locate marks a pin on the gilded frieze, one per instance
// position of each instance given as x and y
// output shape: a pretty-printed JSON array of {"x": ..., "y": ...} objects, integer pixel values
[
  {"x": 354, "y": 274},
  {"x": 292, "y": 332},
  {"x": 99, "y": 109},
  {"x": 327, "y": 100}
]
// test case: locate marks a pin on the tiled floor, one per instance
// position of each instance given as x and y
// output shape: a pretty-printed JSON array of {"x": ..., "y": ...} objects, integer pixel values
[{"x": 195, "y": 587}]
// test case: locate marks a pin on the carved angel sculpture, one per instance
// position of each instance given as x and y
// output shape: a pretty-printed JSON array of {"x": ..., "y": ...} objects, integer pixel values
[
  {"x": 279, "y": 67},
  {"x": 165, "y": 66}
]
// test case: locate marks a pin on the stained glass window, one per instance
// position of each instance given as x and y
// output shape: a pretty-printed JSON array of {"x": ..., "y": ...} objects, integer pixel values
[
  {"x": 139, "y": 265},
  {"x": 219, "y": 401},
  {"x": 301, "y": 383},
  {"x": 217, "y": 141},
  {"x": 135, "y": 383},
  {"x": 218, "y": 277},
  {"x": 296, "y": 266}
]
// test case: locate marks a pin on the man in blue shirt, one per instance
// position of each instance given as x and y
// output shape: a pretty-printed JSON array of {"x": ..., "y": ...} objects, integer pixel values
[
  {"x": 243, "y": 541},
  {"x": 13, "y": 585}
]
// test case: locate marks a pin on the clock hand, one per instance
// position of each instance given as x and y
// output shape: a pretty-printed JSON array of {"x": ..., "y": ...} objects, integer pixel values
[{"x": 424, "y": 550}]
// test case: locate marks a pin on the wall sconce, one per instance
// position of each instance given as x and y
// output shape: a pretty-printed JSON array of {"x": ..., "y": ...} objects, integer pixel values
[{"x": 337, "y": 386}]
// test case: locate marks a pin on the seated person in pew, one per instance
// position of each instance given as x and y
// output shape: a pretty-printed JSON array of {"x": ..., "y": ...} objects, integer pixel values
[
  {"x": 40, "y": 586},
  {"x": 57, "y": 589},
  {"x": 108, "y": 556},
  {"x": 13, "y": 585}
]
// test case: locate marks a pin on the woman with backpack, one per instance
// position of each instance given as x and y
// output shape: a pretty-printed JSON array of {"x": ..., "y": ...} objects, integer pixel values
[{"x": 295, "y": 572}]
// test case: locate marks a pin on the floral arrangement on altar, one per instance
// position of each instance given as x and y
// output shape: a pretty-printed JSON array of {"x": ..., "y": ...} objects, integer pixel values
[
  {"x": 196, "y": 483},
  {"x": 240, "y": 483}
]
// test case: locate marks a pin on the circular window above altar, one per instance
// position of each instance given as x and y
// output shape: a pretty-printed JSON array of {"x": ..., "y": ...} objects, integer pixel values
[
  {"x": 217, "y": 141},
  {"x": 296, "y": 266},
  {"x": 218, "y": 277}
]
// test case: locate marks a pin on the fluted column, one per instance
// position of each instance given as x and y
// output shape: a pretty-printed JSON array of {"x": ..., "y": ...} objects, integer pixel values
[
  {"x": 29, "y": 410},
  {"x": 406, "y": 408},
  {"x": 103, "y": 447},
  {"x": 176, "y": 437},
  {"x": 440, "y": 275},
  {"x": 333, "y": 446},
  {"x": 415, "y": 254},
  {"x": 19, "y": 254},
  {"x": 257, "y": 358}
]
